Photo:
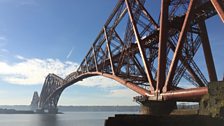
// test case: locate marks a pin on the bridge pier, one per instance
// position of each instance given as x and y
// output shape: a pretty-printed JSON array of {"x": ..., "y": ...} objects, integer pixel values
[
  {"x": 40, "y": 111},
  {"x": 157, "y": 107},
  {"x": 48, "y": 111},
  {"x": 53, "y": 110},
  {"x": 212, "y": 104},
  {"x": 150, "y": 107}
]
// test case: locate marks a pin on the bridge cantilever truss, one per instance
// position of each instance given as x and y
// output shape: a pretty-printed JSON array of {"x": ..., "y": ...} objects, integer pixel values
[{"x": 147, "y": 56}]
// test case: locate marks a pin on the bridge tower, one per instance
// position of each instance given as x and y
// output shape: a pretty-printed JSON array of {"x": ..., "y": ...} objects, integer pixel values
[
  {"x": 35, "y": 101},
  {"x": 52, "y": 83}
]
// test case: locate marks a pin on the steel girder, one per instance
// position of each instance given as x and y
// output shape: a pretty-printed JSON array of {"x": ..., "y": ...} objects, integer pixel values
[{"x": 148, "y": 57}]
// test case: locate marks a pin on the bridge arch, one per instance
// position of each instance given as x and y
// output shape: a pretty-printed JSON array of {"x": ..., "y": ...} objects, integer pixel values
[{"x": 54, "y": 86}]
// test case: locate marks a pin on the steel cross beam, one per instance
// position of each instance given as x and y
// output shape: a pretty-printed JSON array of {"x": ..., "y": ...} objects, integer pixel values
[
  {"x": 95, "y": 60},
  {"x": 109, "y": 50},
  {"x": 147, "y": 14},
  {"x": 180, "y": 42},
  {"x": 140, "y": 46},
  {"x": 188, "y": 67}
]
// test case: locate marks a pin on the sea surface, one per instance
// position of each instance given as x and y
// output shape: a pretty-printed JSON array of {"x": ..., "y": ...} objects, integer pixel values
[{"x": 66, "y": 119}]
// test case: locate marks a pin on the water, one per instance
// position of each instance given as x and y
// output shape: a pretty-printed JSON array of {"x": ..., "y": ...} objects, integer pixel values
[{"x": 66, "y": 119}]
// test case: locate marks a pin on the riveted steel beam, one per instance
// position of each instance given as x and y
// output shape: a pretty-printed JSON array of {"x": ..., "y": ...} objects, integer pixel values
[
  {"x": 207, "y": 52},
  {"x": 150, "y": 18},
  {"x": 109, "y": 51},
  {"x": 180, "y": 43},
  {"x": 163, "y": 38},
  {"x": 95, "y": 60},
  {"x": 140, "y": 46}
]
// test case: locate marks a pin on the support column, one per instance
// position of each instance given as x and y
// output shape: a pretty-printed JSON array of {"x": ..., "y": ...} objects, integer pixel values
[
  {"x": 163, "y": 37},
  {"x": 207, "y": 52},
  {"x": 87, "y": 67},
  {"x": 95, "y": 60},
  {"x": 109, "y": 51}
]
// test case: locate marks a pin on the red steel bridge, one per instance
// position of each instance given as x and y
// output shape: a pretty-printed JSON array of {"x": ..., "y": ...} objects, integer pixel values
[{"x": 147, "y": 55}]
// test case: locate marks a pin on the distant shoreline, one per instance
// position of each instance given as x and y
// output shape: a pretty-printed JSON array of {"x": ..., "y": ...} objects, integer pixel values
[
  {"x": 71, "y": 108},
  {"x": 17, "y": 109},
  {"x": 13, "y": 111}
]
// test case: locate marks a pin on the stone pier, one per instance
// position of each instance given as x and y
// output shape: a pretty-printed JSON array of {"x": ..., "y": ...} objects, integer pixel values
[{"x": 212, "y": 104}]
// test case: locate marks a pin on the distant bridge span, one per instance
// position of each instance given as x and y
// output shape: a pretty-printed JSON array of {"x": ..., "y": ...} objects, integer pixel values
[{"x": 152, "y": 57}]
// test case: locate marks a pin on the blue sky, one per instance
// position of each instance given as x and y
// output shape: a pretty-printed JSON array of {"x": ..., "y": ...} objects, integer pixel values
[{"x": 41, "y": 36}]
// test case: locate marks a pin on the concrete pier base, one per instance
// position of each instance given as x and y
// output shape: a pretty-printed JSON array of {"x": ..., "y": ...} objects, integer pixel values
[{"x": 157, "y": 107}]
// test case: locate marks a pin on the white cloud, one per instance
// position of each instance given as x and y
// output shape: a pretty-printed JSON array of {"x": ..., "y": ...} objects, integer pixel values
[
  {"x": 20, "y": 57},
  {"x": 125, "y": 92},
  {"x": 33, "y": 71},
  {"x": 98, "y": 81}
]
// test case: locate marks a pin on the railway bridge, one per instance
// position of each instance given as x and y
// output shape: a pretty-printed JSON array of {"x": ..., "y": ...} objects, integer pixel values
[{"x": 150, "y": 56}]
